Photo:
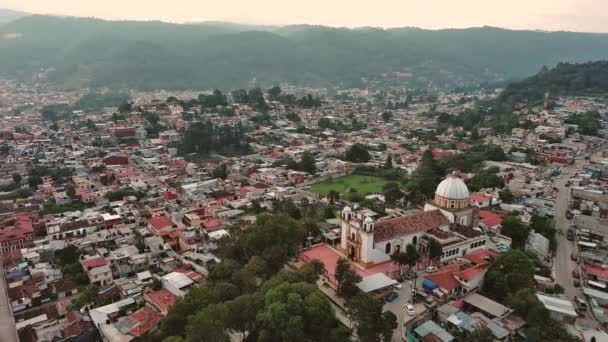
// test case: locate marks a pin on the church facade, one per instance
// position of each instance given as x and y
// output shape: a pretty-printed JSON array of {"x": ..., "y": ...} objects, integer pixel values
[{"x": 448, "y": 219}]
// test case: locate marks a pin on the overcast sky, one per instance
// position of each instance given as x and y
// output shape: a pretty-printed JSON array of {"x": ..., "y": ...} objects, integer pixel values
[{"x": 574, "y": 15}]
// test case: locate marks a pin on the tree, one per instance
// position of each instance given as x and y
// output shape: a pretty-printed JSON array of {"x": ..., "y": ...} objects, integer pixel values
[
  {"x": 357, "y": 154},
  {"x": 371, "y": 323},
  {"x": 257, "y": 100},
  {"x": 240, "y": 96},
  {"x": 508, "y": 274},
  {"x": 392, "y": 193},
  {"x": 209, "y": 324},
  {"x": 296, "y": 312},
  {"x": 70, "y": 191},
  {"x": 388, "y": 164},
  {"x": 90, "y": 295},
  {"x": 481, "y": 334},
  {"x": 400, "y": 258},
  {"x": 411, "y": 255},
  {"x": 485, "y": 179},
  {"x": 435, "y": 249},
  {"x": 274, "y": 239},
  {"x": 506, "y": 196},
  {"x": 307, "y": 163},
  {"x": 387, "y": 116},
  {"x": 274, "y": 93},
  {"x": 346, "y": 279},
  {"x": 213, "y": 100},
  {"x": 427, "y": 175},
  {"x": 324, "y": 123},
  {"x": 516, "y": 230},
  {"x": 208, "y": 294},
  {"x": 220, "y": 172},
  {"x": 17, "y": 178},
  {"x": 474, "y": 134},
  {"x": 333, "y": 195}
]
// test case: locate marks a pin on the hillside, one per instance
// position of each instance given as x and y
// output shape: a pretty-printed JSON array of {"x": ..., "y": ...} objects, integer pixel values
[
  {"x": 7, "y": 15},
  {"x": 565, "y": 79},
  {"x": 161, "y": 55}
]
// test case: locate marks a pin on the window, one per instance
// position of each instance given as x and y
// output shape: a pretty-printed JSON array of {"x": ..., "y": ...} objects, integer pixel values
[{"x": 387, "y": 248}]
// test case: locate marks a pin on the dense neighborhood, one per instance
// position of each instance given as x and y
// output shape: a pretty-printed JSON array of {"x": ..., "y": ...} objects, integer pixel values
[{"x": 166, "y": 216}]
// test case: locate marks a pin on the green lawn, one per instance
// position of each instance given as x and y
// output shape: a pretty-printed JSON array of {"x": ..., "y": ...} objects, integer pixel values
[{"x": 363, "y": 184}]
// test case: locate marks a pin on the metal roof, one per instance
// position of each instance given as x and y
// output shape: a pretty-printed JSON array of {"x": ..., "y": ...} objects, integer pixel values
[
  {"x": 375, "y": 282},
  {"x": 557, "y": 305}
]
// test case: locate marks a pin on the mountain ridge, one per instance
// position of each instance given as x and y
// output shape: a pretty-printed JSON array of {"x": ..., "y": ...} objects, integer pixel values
[{"x": 154, "y": 54}]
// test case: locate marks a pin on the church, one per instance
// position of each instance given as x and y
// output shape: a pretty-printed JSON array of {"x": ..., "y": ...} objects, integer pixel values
[{"x": 449, "y": 219}]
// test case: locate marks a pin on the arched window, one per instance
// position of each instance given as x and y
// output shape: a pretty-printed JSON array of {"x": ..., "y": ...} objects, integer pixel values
[
  {"x": 352, "y": 236},
  {"x": 387, "y": 249},
  {"x": 415, "y": 240},
  {"x": 397, "y": 249}
]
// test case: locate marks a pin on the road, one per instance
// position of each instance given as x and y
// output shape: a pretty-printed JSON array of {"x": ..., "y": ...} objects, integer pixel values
[
  {"x": 8, "y": 333},
  {"x": 563, "y": 264}
]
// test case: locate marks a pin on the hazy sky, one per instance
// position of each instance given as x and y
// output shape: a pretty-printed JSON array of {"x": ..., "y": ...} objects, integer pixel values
[{"x": 576, "y": 15}]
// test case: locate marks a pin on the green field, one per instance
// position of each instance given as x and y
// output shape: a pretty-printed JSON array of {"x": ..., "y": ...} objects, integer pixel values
[{"x": 363, "y": 185}]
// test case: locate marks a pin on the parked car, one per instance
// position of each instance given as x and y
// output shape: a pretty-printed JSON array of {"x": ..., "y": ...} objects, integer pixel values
[
  {"x": 431, "y": 269},
  {"x": 580, "y": 302},
  {"x": 575, "y": 274},
  {"x": 502, "y": 247},
  {"x": 409, "y": 308},
  {"x": 570, "y": 235},
  {"x": 437, "y": 293},
  {"x": 410, "y": 275},
  {"x": 391, "y": 297},
  {"x": 398, "y": 286},
  {"x": 576, "y": 283},
  {"x": 424, "y": 297}
]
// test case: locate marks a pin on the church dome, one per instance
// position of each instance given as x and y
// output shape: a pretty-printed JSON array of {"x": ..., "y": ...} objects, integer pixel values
[{"x": 452, "y": 188}]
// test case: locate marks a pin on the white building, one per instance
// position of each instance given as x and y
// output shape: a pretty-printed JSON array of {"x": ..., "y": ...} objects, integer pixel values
[{"x": 448, "y": 220}]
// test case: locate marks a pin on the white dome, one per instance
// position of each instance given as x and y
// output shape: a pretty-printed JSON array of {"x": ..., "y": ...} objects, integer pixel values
[
  {"x": 369, "y": 220},
  {"x": 347, "y": 209},
  {"x": 452, "y": 188}
]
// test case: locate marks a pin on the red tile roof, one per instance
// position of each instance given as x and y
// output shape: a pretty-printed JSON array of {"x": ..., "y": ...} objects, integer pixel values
[
  {"x": 489, "y": 219},
  {"x": 195, "y": 277},
  {"x": 596, "y": 270},
  {"x": 420, "y": 222},
  {"x": 478, "y": 197},
  {"x": 472, "y": 272},
  {"x": 444, "y": 279},
  {"x": 94, "y": 262},
  {"x": 23, "y": 226},
  {"x": 163, "y": 299},
  {"x": 479, "y": 256},
  {"x": 161, "y": 222},
  {"x": 147, "y": 318}
]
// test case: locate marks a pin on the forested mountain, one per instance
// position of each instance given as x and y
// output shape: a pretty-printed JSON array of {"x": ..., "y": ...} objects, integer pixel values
[
  {"x": 565, "y": 79},
  {"x": 161, "y": 55},
  {"x": 7, "y": 15}
]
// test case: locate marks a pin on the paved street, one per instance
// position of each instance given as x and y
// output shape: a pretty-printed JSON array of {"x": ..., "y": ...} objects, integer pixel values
[
  {"x": 7, "y": 324},
  {"x": 563, "y": 263}
]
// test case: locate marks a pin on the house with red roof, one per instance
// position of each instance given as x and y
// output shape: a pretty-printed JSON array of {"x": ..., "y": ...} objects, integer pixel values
[
  {"x": 146, "y": 320},
  {"x": 161, "y": 225},
  {"x": 480, "y": 200},
  {"x": 162, "y": 300},
  {"x": 489, "y": 220},
  {"x": 15, "y": 234},
  {"x": 97, "y": 270},
  {"x": 471, "y": 278}
]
